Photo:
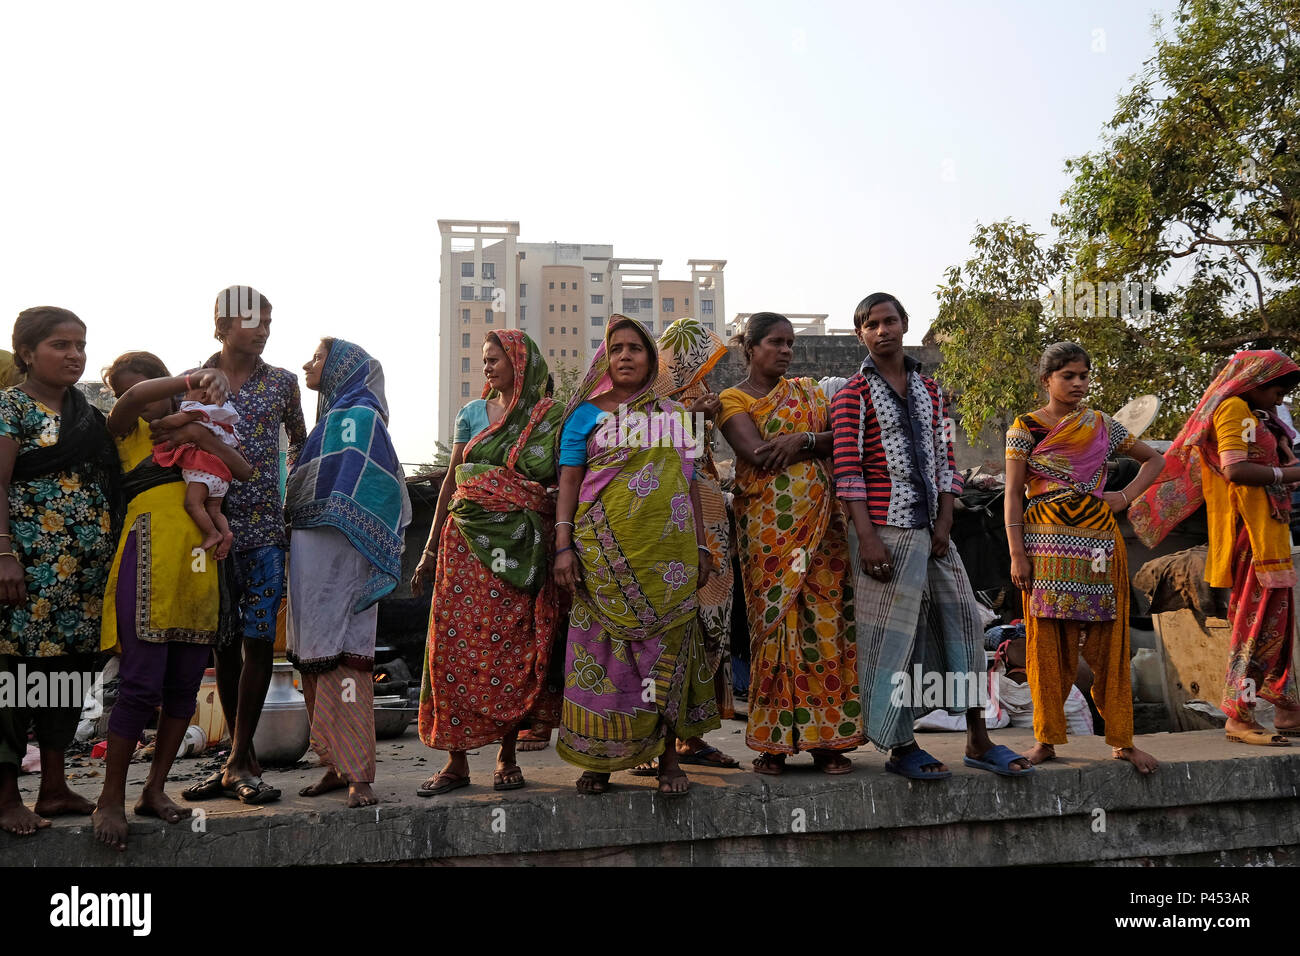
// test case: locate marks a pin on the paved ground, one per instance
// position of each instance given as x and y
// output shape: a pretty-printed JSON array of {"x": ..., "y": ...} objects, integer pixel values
[{"x": 725, "y": 804}]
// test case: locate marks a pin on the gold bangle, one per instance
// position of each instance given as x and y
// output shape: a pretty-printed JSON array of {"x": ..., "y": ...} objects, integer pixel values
[{"x": 11, "y": 554}]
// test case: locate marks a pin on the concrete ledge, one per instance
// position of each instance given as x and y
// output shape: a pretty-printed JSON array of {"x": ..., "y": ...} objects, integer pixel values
[{"x": 1209, "y": 800}]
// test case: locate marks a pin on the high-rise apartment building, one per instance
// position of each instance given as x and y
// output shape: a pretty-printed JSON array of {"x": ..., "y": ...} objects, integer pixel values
[{"x": 561, "y": 294}]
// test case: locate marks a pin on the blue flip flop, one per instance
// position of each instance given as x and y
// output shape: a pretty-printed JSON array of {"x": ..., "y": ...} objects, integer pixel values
[
  {"x": 998, "y": 759},
  {"x": 910, "y": 764}
]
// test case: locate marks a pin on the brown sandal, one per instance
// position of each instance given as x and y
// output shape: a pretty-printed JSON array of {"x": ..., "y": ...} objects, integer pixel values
[{"x": 772, "y": 765}]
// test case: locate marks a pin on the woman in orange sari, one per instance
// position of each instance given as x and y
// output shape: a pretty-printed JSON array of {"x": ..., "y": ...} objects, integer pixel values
[
  {"x": 803, "y": 693},
  {"x": 1236, "y": 456}
]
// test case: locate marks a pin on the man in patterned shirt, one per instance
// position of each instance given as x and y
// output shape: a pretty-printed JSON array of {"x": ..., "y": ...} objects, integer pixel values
[
  {"x": 266, "y": 398},
  {"x": 920, "y": 643}
]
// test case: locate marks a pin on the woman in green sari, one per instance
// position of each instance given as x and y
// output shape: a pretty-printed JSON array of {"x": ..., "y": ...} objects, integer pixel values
[
  {"x": 630, "y": 545},
  {"x": 493, "y": 618}
]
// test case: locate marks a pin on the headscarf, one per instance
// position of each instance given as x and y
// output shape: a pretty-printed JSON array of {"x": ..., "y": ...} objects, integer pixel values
[
  {"x": 1177, "y": 492},
  {"x": 688, "y": 352},
  {"x": 501, "y": 500},
  {"x": 597, "y": 379},
  {"x": 347, "y": 475}
]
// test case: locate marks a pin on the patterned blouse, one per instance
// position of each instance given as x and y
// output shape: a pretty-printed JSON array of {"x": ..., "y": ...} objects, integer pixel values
[
  {"x": 61, "y": 527},
  {"x": 255, "y": 508}
]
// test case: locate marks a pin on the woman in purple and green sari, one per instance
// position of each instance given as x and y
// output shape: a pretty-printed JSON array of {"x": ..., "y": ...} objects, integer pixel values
[{"x": 630, "y": 544}]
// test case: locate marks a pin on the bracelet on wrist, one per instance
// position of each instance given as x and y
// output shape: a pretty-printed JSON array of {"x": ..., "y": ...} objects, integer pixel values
[
  {"x": 569, "y": 523},
  {"x": 1127, "y": 502},
  {"x": 1277, "y": 475}
]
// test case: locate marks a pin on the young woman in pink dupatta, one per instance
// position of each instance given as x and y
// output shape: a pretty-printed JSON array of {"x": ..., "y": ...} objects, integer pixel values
[{"x": 1067, "y": 553}]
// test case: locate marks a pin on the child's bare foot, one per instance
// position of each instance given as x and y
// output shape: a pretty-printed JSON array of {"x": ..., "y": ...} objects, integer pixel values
[
  {"x": 327, "y": 784},
  {"x": 223, "y": 549},
  {"x": 1040, "y": 753},
  {"x": 156, "y": 803},
  {"x": 1143, "y": 761},
  {"x": 360, "y": 795},
  {"x": 15, "y": 818},
  {"x": 110, "y": 825},
  {"x": 63, "y": 803},
  {"x": 211, "y": 540}
]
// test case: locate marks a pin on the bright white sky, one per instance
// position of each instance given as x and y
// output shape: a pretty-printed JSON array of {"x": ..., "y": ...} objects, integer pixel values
[{"x": 156, "y": 152}]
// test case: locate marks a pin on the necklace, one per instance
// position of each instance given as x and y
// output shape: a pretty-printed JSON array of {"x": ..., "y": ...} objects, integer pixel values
[{"x": 755, "y": 389}]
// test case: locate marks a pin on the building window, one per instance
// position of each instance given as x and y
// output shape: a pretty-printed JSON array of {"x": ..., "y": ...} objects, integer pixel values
[
  {"x": 596, "y": 321},
  {"x": 464, "y": 340},
  {"x": 552, "y": 285},
  {"x": 487, "y": 317},
  {"x": 668, "y": 305},
  {"x": 486, "y": 293},
  {"x": 575, "y": 331},
  {"x": 709, "y": 326},
  {"x": 551, "y": 307},
  {"x": 562, "y": 285},
  {"x": 563, "y": 306},
  {"x": 523, "y": 255},
  {"x": 489, "y": 270},
  {"x": 467, "y": 292},
  {"x": 467, "y": 270},
  {"x": 523, "y": 290},
  {"x": 597, "y": 300},
  {"x": 464, "y": 364},
  {"x": 595, "y": 277},
  {"x": 552, "y": 353},
  {"x": 551, "y": 330},
  {"x": 522, "y": 310},
  {"x": 706, "y": 306},
  {"x": 648, "y": 304},
  {"x": 564, "y": 353},
  {"x": 464, "y": 316},
  {"x": 595, "y": 343},
  {"x": 630, "y": 305},
  {"x": 464, "y": 389},
  {"x": 686, "y": 303}
]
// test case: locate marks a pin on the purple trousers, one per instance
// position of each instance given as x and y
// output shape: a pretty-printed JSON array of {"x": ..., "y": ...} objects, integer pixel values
[{"x": 152, "y": 674}]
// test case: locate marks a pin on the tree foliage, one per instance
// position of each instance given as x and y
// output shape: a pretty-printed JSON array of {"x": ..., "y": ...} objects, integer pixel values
[{"x": 1193, "y": 196}]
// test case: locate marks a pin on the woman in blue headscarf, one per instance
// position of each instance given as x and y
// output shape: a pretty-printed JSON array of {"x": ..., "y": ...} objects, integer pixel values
[{"x": 347, "y": 505}]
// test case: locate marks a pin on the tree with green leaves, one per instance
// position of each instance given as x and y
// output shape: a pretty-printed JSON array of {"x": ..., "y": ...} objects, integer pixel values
[{"x": 1193, "y": 198}]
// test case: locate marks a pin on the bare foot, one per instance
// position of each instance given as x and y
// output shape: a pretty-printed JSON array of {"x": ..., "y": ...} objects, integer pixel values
[
  {"x": 1040, "y": 753},
  {"x": 156, "y": 803},
  {"x": 211, "y": 541},
  {"x": 15, "y": 818},
  {"x": 223, "y": 549},
  {"x": 360, "y": 795},
  {"x": 63, "y": 803},
  {"x": 331, "y": 781},
  {"x": 1143, "y": 761},
  {"x": 593, "y": 783},
  {"x": 110, "y": 825}
]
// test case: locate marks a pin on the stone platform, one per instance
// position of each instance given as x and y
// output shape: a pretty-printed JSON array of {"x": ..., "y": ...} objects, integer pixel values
[{"x": 1211, "y": 802}]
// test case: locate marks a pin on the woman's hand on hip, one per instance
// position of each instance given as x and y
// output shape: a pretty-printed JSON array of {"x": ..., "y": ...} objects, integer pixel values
[{"x": 424, "y": 573}]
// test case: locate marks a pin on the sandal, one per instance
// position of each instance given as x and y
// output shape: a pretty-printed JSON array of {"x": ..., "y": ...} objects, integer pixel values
[
  {"x": 831, "y": 762},
  {"x": 648, "y": 769},
  {"x": 773, "y": 765},
  {"x": 1260, "y": 738},
  {"x": 998, "y": 759},
  {"x": 666, "y": 782},
  {"x": 593, "y": 783},
  {"x": 912, "y": 766},
  {"x": 442, "y": 782},
  {"x": 251, "y": 791},
  {"x": 204, "y": 789},
  {"x": 708, "y": 756},
  {"x": 511, "y": 778}
]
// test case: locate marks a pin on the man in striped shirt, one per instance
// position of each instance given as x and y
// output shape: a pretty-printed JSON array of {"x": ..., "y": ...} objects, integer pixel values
[{"x": 920, "y": 643}]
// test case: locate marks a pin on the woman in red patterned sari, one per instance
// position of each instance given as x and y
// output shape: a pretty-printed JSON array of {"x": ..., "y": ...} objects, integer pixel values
[{"x": 493, "y": 618}]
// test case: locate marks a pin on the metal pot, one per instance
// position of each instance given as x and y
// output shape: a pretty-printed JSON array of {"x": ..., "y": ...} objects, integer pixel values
[
  {"x": 284, "y": 732},
  {"x": 393, "y": 714}
]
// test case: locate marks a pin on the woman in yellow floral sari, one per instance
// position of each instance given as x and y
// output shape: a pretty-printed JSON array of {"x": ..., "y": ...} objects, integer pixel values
[
  {"x": 630, "y": 546},
  {"x": 803, "y": 692}
]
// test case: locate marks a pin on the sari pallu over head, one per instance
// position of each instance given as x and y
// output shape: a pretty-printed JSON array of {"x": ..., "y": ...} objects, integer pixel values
[
  {"x": 634, "y": 527},
  {"x": 1178, "y": 492},
  {"x": 347, "y": 475},
  {"x": 782, "y": 516},
  {"x": 501, "y": 505}
]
